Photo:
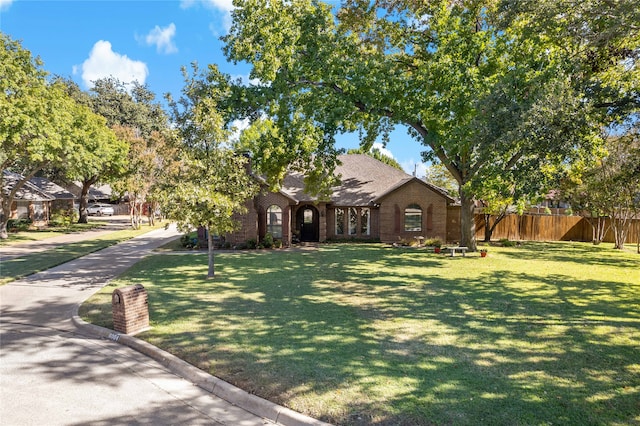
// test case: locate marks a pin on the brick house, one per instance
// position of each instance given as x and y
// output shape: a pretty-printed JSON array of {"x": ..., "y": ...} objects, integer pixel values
[
  {"x": 36, "y": 199},
  {"x": 374, "y": 202}
]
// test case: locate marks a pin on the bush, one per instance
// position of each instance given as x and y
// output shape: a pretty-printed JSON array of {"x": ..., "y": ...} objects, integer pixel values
[
  {"x": 252, "y": 244},
  {"x": 18, "y": 225},
  {"x": 190, "y": 241},
  {"x": 506, "y": 243},
  {"x": 267, "y": 241},
  {"x": 63, "y": 218},
  {"x": 433, "y": 242}
]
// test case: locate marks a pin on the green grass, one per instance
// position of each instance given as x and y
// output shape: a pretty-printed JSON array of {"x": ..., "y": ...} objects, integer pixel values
[
  {"x": 38, "y": 235},
  {"x": 19, "y": 267},
  {"x": 546, "y": 333}
]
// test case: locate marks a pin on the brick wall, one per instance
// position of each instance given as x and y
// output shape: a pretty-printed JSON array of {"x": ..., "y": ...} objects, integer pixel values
[
  {"x": 434, "y": 213},
  {"x": 130, "y": 308}
]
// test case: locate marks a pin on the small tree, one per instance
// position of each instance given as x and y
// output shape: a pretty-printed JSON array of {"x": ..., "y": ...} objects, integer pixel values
[
  {"x": 212, "y": 183},
  {"x": 610, "y": 187}
]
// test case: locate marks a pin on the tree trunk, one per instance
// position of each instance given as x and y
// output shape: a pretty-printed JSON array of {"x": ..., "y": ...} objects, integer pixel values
[
  {"x": 467, "y": 221},
  {"x": 84, "y": 201},
  {"x": 4, "y": 219},
  {"x": 620, "y": 231},
  {"x": 211, "y": 273},
  {"x": 150, "y": 210},
  {"x": 490, "y": 227}
]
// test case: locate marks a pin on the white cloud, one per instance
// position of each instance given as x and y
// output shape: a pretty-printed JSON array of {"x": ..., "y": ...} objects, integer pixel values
[
  {"x": 162, "y": 38},
  {"x": 246, "y": 81},
  {"x": 104, "y": 62},
  {"x": 5, "y": 4},
  {"x": 237, "y": 127},
  {"x": 380, "y": 147},
  {"x": 224, "y": 5}
]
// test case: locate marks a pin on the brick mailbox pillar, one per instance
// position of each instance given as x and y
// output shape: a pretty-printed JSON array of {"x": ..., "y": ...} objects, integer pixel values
[{"x": 130, "y": 307}]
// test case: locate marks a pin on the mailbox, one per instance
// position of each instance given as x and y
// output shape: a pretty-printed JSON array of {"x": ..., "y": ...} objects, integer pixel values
[{"x": 130, "y": 308}]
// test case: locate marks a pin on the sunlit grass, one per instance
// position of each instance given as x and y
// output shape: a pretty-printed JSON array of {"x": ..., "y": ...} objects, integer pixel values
[
  {"x": 545, "y": 333},
  {"x": 19, "y": 267},
  {"x": 39, "y": 235}
]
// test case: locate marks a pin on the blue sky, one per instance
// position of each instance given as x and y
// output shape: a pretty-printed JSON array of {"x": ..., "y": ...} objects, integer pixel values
[{"x": 148, "y": 41}]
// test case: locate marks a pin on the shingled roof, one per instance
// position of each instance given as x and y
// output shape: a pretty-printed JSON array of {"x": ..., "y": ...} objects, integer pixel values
[
  {"x": 364, "y": 181},
  {"x": 52, "y": 189},
  {"x": 28, "y": 191}
]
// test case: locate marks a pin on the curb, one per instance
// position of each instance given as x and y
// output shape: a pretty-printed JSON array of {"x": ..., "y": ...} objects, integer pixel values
[{"x": 218, "y": 387}]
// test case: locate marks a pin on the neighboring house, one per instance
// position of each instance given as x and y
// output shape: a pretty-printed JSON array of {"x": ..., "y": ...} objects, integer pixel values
[
  {"x": 29, "y": 202},
  {"x": 374, "y": 202},
  {"x": 63, "y": 199},
  {"x": 102, "y": 193}
]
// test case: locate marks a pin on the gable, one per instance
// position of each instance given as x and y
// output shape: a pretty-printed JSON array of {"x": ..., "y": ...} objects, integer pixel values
[{"x": 364, "y": 180}]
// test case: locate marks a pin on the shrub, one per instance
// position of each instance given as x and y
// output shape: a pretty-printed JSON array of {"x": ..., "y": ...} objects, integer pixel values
[
  {"x": 18, "y": 225},
  {"x": 506, "y": 243},
  {"x": 63, "y": 218},
  {"x": 433, "y": 242},
  {"x": 267, "y": 241},
  {"x": 189, "y": 241},
  {"x": 252, "y": 244}
]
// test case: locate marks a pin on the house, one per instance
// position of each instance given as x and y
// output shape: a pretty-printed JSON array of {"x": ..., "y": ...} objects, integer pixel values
[
  {"x": 97, "y": 193},
  {"x": 374, "y": 202},
  {"x": 62, "y": 199},
  {"x": 29, "y": 203}
]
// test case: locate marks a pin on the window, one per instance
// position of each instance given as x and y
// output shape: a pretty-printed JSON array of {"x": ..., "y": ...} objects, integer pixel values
[
  {"x": 413, "y": 218},
  {"x": 307, "y": 216},
  {"x": 353, "y": 221},
  {"x": 364, "y": 221},
  {"x": 339, "y": 221},
  {"x": 274, "y": 221}
]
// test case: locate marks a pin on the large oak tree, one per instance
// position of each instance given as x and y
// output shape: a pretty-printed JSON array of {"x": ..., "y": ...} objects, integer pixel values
[{"x": 481, "y": 84}]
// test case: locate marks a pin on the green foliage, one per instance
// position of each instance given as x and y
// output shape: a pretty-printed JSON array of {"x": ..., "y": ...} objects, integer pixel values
[
  {"x": 610, "y": 186},
  {"x": 471, "y": 81},
  {"x": 433, "y": 242},
  {"x": 211, "y": 184},
  {"x": 189, "y": 240},
  {"x": 63, "y": 218},
  {"x": 438, "y": 175},
  {"x": 38, "y": 121},
  {"x": 267, "y": 241},
  {"x": 378, "y": 155},
  {"x": 18, "y": 225}
]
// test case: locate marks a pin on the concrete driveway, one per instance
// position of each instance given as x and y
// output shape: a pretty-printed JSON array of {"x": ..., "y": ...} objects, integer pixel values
[{"x": 50, "y": 373}]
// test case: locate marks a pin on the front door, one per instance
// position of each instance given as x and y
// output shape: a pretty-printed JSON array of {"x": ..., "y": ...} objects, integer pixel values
[{"x": 308, "y": 222}]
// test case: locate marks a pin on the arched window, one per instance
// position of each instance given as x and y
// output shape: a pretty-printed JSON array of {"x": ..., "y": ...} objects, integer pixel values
[
  {"x": 274, "y": 221},
  {"x": 413, "y": 218}
]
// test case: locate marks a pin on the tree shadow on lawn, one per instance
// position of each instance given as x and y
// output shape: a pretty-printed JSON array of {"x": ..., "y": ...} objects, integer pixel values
[{"x": 323, "y": 335}]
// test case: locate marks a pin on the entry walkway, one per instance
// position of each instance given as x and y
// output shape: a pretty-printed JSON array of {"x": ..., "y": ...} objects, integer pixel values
[{"x": 51, "y": 373}]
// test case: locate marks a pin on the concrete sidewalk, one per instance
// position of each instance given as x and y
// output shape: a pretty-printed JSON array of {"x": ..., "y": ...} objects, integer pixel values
[
  {"x": 114, "y": 223},
  {"x": 52, "y": 372}
]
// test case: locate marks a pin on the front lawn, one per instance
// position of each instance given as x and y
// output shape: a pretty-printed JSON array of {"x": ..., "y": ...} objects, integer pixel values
[
  {"x": 22, "y": 266},
  {"x": 546, "y": 333}
]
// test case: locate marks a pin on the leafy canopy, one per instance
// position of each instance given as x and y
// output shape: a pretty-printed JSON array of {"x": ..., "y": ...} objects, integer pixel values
[{"x": 476, "y": 82}]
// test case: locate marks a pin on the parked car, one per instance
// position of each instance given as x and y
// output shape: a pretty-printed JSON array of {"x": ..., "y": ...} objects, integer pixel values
[{"x": 99, "y": 209}]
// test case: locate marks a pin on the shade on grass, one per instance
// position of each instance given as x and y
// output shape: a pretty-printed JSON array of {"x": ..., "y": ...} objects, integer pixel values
[{"x": 365, "y": 334}]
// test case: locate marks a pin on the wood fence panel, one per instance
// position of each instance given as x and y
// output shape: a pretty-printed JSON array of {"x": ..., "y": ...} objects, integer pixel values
[{"x": 533, "y": 227}]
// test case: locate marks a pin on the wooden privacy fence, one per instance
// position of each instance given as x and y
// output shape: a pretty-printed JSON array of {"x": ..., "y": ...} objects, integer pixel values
[{"x": 535, "y": 227}]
